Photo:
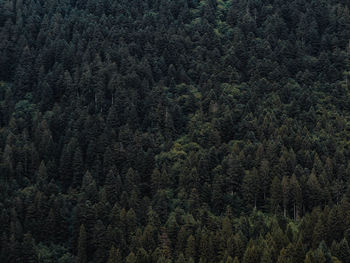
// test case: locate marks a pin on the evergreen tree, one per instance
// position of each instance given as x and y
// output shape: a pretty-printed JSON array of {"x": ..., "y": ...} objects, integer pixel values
[
  {"x": 276, "y": 194},
  {"x": 190, "y": 249},
  {"x": 114, "y": 255},
  {"x": 131, "y": 258},
  {"x": 296, "y": 196},
  {"x": 285, "y": 194},
  {"x": 82, "y": 246},
  {"x": 28, "y": 249},
  {"x": 251, "y": 254},
  {"x": 250, "y": 187},
  {"x": 344, "y": 251}
]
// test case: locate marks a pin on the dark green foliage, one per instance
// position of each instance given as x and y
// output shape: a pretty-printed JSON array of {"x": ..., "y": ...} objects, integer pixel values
[
  {"x": 174, "y": 131},
  {"x": 82, "y": 246}
]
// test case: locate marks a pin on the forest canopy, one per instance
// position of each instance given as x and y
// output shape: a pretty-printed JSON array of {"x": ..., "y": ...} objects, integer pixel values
[{"x": 187, "y": 131}]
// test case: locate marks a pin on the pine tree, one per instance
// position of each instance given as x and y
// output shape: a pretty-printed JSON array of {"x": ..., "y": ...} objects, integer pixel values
[
  {"x": 165, "y": 244},
  {"x": 181, "y": 259},
  {"x": 279, "y": 237},
  {"x": 344, "y": 251},
  {"x": 142, "y": 255},
  {"x": 114, "y": 255},
  {"x": 65, "y": 169},
  {"x": 113, "y": 186},
  {"x": 309, "y": 258},
  {"x": 285, "y": 194},
  {"x": 28, "y": 249},
  {"x": 319, "y": 256},
  {"x": 218, "y": 190},
  {"x": 299, "y": 252},
  {"x": 251, "y": 254},
  {"x": 334, "y": 225},
  {"x": 250, "y": 187},
  {"x": 264, "y": 175},
  {"x": 234, "y": 173},
  {"x": 295, "y": 196},
  {"x": 190, "y": 249},
  {"x": 82, "y": 246},
  {"x": 226, "y": 227},
  {"x": 314, "y": 191},
  {"x": 42, "y": 175},
  {"x": 131, "y": 221},
  {"x": 266, "y": 256},
  {"x": 131, "y": 258},
  {"x": 319, "y": 233},
  {"x": 51, "y": 226},
  {"x": 148, "y": 239},
  {"x": 78, "y": 168},
  {"x": 276, "y": 194}
]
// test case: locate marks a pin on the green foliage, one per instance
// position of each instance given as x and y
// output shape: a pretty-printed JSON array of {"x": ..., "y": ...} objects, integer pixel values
[
  {"x": 82, "y": 246},
  {"x": 174, "y": 131}
]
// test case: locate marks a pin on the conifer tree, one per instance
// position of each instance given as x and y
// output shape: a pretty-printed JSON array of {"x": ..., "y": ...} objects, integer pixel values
[
  {"x": 299, "y": 252},
  {"x": 266, "y": 256},
  {"x": 250, "y": 187},
  {"x": 276, "y": 194},
  {"x": 251, "y": 254},
  {"x": 285, "y": 194},
  {"x": 28, "y": 249},
  {"x": 114, "y": 255},
  {"x": 131, "y": 258},
  {"x": 181, "y": 259},
  {"x": 190, "y": 249},
  {"x": 82, "y": 246},
  {"x": 229, "y": 260},
  {"x": 344, "y": 251},
  {"x": 313, "y": 190},
  {"x": 296, "y": 196}
]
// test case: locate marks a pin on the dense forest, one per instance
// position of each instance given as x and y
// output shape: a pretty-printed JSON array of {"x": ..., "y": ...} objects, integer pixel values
[{"x": 178, "y": 131}]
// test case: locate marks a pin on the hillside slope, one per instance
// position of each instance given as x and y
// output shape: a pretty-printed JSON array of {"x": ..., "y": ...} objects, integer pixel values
[{"x": 174, "y": 131}]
